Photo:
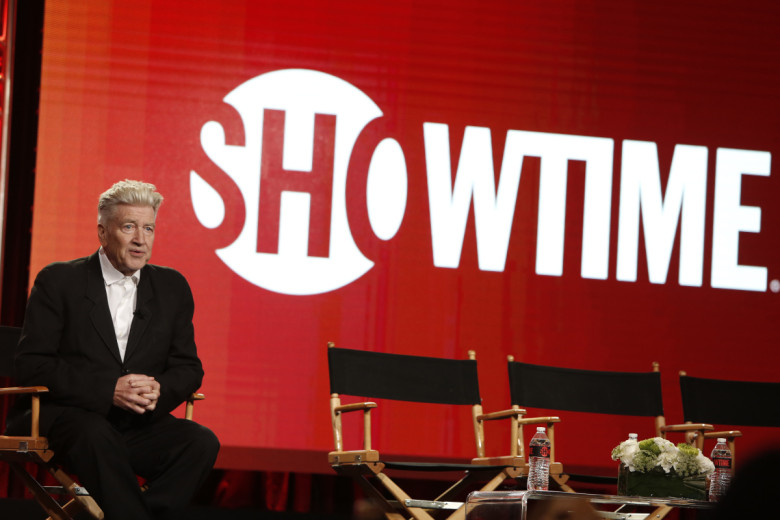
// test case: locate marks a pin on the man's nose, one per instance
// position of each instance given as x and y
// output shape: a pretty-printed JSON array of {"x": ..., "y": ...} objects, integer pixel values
[{"x": 138, "y": 236}]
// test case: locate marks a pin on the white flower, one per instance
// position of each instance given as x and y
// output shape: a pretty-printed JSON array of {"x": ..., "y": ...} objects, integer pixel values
[
  {"x": 705, "y": 465},
  {"x": 667, "y": 460},
  {"x": 657, "y": 452},
  {"x": 625, "y": 453},
  {"x": 665, "y": 445}
]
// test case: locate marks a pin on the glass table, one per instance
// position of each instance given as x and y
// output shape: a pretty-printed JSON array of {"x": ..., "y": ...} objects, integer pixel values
[{"x": 522, "y": 505}]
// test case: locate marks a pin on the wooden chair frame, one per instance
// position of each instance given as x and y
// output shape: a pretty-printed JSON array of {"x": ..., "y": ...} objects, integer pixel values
[
  {"x": 366, "y": 466},
  {"x": 18, "y": 450}
]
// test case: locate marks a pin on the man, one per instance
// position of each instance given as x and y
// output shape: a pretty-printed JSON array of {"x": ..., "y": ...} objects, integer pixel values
[{"x": 112, "y": 338}]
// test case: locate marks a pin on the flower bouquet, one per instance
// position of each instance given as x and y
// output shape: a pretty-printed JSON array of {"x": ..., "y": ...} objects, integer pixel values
[{"x": 657, "y": 468}]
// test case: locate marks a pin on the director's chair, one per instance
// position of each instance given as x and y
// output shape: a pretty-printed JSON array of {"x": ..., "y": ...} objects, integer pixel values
[
  {"x": 412, "y": 379},
  {"x": 588, "y": 391},
  {"x": 20, "y": 450},
  {"x": 727, "y": 402}
]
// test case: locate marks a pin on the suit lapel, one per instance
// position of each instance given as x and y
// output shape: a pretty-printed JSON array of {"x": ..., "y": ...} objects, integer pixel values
[
  {"x": 100, "y": 314},
  {"x": 143, "y": 312}
]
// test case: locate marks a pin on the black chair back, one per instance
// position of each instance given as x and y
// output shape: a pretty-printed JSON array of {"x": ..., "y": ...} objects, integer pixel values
[
  {"x": 576, "y": 390},
  {"x": 717, "y": 401},
  {"x": 403, "y": 377}
]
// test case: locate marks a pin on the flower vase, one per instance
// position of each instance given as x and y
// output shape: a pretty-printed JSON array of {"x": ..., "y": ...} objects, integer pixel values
[{"x": 658, "y": 483}]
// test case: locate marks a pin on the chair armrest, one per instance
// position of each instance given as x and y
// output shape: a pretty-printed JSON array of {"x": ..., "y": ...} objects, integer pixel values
[
  {"x": 10, "y": 390},
  {"x": 539, "y": 420},
  {"x": 189, "y": 409},
  {"x": 503, "y": 414},
  {"x": 354, "y": 407},
  {"x": 728, "y": 434},
  {"x": 688, "y": 427},
  {"x": 518, "y": 443},
  {"x": 338, "y": 409},
  {"x": 35, "y": 405},
  {"x": 694, "y": 432}
]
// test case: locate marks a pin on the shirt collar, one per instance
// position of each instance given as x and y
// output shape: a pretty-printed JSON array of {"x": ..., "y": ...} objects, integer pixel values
[{"x": 110, "y": 273}]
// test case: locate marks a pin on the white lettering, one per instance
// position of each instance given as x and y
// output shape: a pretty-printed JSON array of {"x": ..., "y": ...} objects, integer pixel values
[
  {"x": 686, "y": 193},
  {"x": 730, "y": 218},
  {"x": 555, "y": 151},
  {"x": 449, "y": 203},
  {"x": 494, "y": 211},
  {"x": 305, "y": 121}
]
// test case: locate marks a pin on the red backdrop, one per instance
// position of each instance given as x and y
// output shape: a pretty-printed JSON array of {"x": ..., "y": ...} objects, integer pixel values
[{"x": 138, "y": 90}]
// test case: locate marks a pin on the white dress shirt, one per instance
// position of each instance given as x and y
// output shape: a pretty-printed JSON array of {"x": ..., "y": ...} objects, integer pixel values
[{"x": 121, "y": 291}]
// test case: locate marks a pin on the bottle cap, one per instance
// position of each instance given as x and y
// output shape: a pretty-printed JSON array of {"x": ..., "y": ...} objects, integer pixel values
[
  {"x": 633, "y": 436},
  {"x": 722, "y": 439},
  {"x": 540, "y": 429}
]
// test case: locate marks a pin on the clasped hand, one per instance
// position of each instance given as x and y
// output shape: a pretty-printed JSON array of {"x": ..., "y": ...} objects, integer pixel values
[{"x": 136, "y": 393}]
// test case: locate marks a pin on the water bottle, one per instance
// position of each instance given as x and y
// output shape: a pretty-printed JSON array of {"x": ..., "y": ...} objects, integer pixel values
[
  {"x": 539, "y": 461},
  {"x": 720, "y": 479}
]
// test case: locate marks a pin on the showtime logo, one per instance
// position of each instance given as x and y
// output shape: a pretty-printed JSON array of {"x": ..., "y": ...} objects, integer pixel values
[{"x": 301, "y": 127}]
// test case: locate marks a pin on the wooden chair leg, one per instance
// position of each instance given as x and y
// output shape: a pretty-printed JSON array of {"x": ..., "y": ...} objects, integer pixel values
[
  {"x": 52, "y": 508},
  {"x": 400, "y": 495},
  {"x": 458, "y": 486},
  {"x": 81, "y": 503},
  {"x": 561, "y": 480},
  {"x": 491, "y": 485},
  {"x": 78, "y": 502},
  {"x": 376, "y": 497},
  {"x": 71, "y": 508}
]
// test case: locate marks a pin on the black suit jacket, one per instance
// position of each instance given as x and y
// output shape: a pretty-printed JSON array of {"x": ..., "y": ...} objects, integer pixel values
[{"x": 68, "y": 342}]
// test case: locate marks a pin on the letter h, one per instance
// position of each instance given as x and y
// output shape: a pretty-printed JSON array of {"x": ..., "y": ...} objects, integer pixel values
[{"x": 318, "y": 182}]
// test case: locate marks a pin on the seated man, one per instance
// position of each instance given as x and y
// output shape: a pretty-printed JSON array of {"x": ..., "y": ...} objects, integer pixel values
[{"x": 112, "y": 338}]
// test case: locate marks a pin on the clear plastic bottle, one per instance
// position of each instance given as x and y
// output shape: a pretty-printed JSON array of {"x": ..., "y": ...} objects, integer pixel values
[
  {"x": 539, "y": 461},
  {"x": 721, "y": 478}
]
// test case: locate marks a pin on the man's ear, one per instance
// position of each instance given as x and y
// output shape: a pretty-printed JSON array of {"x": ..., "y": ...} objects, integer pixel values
[{"x": 101, "y": 231}]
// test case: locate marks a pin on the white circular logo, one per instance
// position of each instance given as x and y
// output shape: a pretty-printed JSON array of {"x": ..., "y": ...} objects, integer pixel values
[{"x": 300, "y": 128}]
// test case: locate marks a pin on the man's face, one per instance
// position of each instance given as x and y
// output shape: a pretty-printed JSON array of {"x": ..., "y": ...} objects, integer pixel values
[{"x": 127, "y": 237}]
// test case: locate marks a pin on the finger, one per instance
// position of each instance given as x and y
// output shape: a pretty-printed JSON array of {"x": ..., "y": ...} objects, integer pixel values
[
  {"x": 134, "y": 383},
  {"x": 133, "y": 407},
  {"x": 138, "y": 390},
  {"x": 137, "y": 399},
  {"x": 137, "y": 377},
  {"x": 138, "y": 409}
]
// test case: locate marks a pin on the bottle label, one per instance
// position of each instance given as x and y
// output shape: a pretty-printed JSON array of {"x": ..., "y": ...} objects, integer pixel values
[
  {"x": 540, "y": 451},
  {"x": 722, "y": 462}
]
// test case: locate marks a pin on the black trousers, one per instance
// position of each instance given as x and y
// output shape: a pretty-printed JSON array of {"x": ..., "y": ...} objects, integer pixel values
[{"x": 173, "y": 455}]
